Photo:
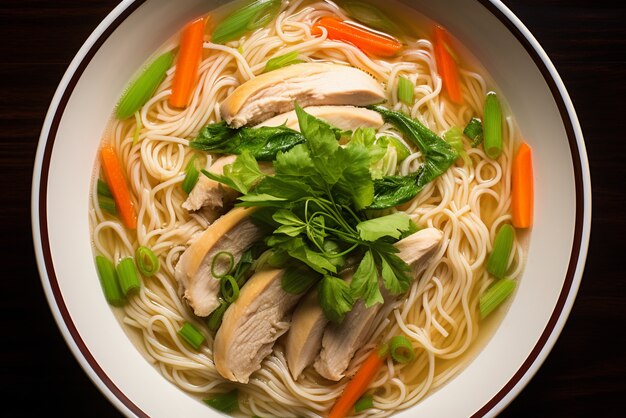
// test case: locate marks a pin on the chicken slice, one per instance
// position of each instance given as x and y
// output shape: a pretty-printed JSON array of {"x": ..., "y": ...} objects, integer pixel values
[
  {"x": 346, "y": 118},
  {"x": 252, "y": 324},
  {"x": 234, "y": 232},
  {"x": 304, "y": 340},
  {"x": 309, "y": 84},
  {"x": 341, "y": 341},
  {"x": 210, "y": 193}
]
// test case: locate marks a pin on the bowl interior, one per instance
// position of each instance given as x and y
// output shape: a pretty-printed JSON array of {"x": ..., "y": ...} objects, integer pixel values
[{"x": 68, "y": 148}]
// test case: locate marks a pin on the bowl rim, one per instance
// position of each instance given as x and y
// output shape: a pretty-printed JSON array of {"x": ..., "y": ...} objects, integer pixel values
[{"x": 510, "y": 389}]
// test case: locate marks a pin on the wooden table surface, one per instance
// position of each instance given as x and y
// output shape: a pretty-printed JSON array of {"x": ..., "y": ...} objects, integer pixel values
[{"x": 585, "y": 374}]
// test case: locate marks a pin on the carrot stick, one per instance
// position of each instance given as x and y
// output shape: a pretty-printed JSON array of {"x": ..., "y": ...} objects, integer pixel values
[
  {"x": 358, "y": 385},
  {"x": 447, "y": 65},
  {"x": 522, "y": 193},
  {"x": 114, "y": 177},
  {"x": 363, "y": 39},
  {"x": 187, "y": 63}
]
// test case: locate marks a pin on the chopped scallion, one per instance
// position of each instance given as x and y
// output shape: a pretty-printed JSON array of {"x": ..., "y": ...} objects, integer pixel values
[
  {"x": 492, "y": 126},
  {"x": 401, "y": 349},
  {"x": 405, "y": 90},
  {"x": 103, "y": 189},
  {"x": 283, "y": 61},
  {"x": 215, "y": 319},
  {"x": 144, "y": 86},
  {"x": 495, "y": 295},
  {"x": 109, "y": 282},
  {"x": 255, "y": 15},
  {"x": 474, "y": 131},
  {"x": 127, "y": 275},
  {"x": 229, "y": 288},
  {"x": 191, "y": 175},
  {"x": 147, "y": 263},
  {"x": 190, "y": 334},
  {"x": 107, "y": 204},
  {"x": 225, "y": 402},
  {"x": 220, "y": 258},
  {"x": 498, "y": 261},
  {"x": 365, "y": 402}
]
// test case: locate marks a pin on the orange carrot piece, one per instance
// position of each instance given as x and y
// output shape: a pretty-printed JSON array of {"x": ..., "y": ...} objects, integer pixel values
[
  {"x": 358, "y": 385},
  {"x": 446, "y": 65},
  {"x": 363, "y": 39},
  {"x": 187, "y": 63},
  {"x": 522, "y": 191},
  {"x": 114, "y": 177}
]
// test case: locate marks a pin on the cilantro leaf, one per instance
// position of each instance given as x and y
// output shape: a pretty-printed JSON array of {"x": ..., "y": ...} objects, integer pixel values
[
  {"x": 355, "y": 180},
  {"x": 394, "y": 272},
  {"x": 335, "y": 298},
  {"x": 297, "y": 248},
  {"x": 241, "y": 175},
  {"x": 365, "y": 281},
  {"x": 385, "y": 226},
  {"x": 290, "y": 224}
]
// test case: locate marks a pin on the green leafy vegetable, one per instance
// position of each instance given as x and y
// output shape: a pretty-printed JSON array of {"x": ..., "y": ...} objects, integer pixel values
[
  {"x": 144, "y": 86},
  {"x": 226, "y": 402},
  {"x": 391, "y": 225},
  {"x": 253, "y": 16},
  {"x": 438, "y": 155},
  {"x": 365, "y": 281},
  {"x": 492, "y": 126},
  {"x": 241, "y": 175},
  {"x": 401, "y": 150},
  {"x": 495, "y": 295},
  {"x": 390, "y": 191},
  {"x": 405, "y": 90},
  {"x": 298, "y": 279},
  {"x": 282, "y": 61},
  {"x": 262, "y": 143},
  {"x": 335, "y": 298},
  {"x": 474, "y": 131}
]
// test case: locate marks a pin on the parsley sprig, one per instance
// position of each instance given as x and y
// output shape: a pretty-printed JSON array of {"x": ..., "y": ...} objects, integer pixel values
[{"x": 315, "y": 202}]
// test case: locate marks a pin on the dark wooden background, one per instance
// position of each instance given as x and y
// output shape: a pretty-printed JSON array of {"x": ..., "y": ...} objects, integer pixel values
[{"x": 585, "y": 374}]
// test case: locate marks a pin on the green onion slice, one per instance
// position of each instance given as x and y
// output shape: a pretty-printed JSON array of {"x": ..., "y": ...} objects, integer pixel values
[
  {"x": 492, "y": 126},
  {"x": 147, "y": 263},
  {"x": 474, "y": 131},
  {"x": 127, "y": 275},
  {"x": 144, "y": 86},
  {"x": 282, "y": 61},
  {"x": 229, "y": 288},
  {"x": 103, "y": 189},
  {"x": 365, "y": 402},
  {"x": 226, "y": 402},
  {"x": 405, "y": 90},
  {"x": 107, "y": 204},
  {"x": 495, "y": 295},
  {"x": 108, "y": 280},
  {"x": 191, "y": 175},
  {"x": 371, "y": 16},
  {"x": 215, "y": 319},
  {"x": 220, "y": 258},
  {"x": 255, "y": 15},
  {"x": 401, "y": 150},
  {"x": 498, "y": 261},
  {"x": 401, "y": 349},
  {"x": 191, "y": 334}
]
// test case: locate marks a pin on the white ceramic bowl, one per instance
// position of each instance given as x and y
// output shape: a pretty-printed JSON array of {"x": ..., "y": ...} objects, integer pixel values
[{"x": 67, "y": 151}]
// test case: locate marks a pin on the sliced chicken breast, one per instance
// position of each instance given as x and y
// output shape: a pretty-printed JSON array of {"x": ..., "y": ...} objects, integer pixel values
[
  {"x": 304, "y": 340},
  {"x": 234, "y": 232},
  {"x": 209, "y": 193},
  {"x": 346, "y": 118},
  {"x": 252, "y": 324},
  {"x": 309, "y": 84},
  {"x": 341, "y": 341}
]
